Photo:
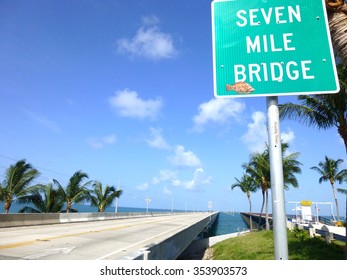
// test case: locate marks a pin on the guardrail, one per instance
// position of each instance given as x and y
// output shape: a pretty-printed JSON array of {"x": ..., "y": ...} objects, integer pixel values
[
  {"x": 324, "y": 231},
  {"x": 330, "y": 235},
  {"x": 324, "y": 220}
]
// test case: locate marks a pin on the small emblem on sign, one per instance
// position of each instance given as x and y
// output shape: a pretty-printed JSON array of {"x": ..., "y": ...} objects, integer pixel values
[{"x": 240, "y": 87}]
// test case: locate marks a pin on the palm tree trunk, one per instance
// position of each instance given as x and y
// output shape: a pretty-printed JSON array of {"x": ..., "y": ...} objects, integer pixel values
[
  {"x": 262, "y": 208},
  {"x": 7, "y": 206},
  {"x": 68, "y": 206},
  {"x": 250, "y": 213},
  {"x": 337, "y": 17},
  {"x": 337, "y": 204},
  {"x": 267, "y": 225}
]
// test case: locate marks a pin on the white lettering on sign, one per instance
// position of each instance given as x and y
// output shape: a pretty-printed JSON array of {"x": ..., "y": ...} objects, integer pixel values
[
  {"x": 273, "y": 71},
  {"x": 262, "y": 44},
  {"x": 280, "y": 15}
]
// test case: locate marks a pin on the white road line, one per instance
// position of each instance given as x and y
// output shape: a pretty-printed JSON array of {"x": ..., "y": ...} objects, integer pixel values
[
  {"x": 49, "y": 252},
  {"x": 132, "y": 245}
]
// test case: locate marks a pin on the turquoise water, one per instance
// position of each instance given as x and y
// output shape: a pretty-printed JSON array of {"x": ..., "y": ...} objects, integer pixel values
[
  {"x": 84, "y": 208},
  {"x": 226, "y": 222}
]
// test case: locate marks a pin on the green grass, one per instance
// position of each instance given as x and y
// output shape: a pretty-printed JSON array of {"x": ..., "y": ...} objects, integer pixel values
[{"x": 260, "y": 246}]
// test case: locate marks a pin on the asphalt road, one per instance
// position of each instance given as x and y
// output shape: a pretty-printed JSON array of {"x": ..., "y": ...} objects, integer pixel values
[{"x": 112, "y": 239}]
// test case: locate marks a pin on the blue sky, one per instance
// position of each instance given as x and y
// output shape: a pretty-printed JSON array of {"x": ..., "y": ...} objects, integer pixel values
[{"x": 123, "y": 90}]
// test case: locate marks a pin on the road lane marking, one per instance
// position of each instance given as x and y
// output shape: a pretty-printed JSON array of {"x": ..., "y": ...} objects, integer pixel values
[
  {"x": 49, "y": 252},
  {"x": 30, "y": 242},
  {"x": 19, "y": 244},
  {"x": 137, "y": 243}
]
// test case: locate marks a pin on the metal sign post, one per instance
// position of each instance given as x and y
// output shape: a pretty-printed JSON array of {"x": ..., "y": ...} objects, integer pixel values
[
  {"x": 277, "y": 185},
  {"x": 148, "y": 200}
]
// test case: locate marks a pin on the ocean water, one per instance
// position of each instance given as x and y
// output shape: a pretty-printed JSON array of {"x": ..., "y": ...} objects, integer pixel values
[
  {"x": 85, "y": 208},
  {"x": 227, "y": 222}
]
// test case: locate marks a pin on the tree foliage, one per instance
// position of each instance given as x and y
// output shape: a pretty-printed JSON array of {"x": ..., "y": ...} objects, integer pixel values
[
  {"x": 102, "y": 198},
  {"x": 18, "y": 177},
  {"x": 75, "y": 191}
]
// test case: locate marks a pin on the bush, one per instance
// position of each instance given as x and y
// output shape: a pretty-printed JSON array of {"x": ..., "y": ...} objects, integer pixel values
[{"x": 299, "y": 234}]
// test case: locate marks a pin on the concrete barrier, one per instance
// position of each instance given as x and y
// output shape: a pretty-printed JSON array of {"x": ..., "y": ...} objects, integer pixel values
[
  {"x": 28, "y": 219},
  {"x": 16, "y": 220},
  {"x": 329, "y": 236},
  {"x": 172, "y": 247}
]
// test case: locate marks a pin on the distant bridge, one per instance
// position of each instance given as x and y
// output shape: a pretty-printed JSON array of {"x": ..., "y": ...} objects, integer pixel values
[{"x": 258, "y": 220}]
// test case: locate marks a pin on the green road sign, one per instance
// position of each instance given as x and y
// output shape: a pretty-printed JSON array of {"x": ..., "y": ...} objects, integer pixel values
[{"x": 272, "y": 47}]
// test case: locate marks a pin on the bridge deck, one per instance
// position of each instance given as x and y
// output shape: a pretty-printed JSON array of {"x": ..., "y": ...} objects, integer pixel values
[{"x": 111, "y": 239}]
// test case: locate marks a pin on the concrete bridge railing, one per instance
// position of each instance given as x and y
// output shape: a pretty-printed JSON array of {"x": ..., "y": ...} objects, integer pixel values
[
  {"x": 28, "y": 219},
  {"x": 172, "y": 247}
]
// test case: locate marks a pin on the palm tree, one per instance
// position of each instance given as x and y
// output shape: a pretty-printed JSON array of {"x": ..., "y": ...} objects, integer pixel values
[
  {"x": 75, "y": 191},
  {"x": 291, "y": 166},
  {"x": 18, "y": 177},
  {"x": 103, "y": 198},
  {"x": 247, "y": 185},
  {"x": 45, "y": 198},
  {"x": 329, "y": 171},
  {"x": 337, "y": 18},
  {"x": 259, "y": 169},
  {"x": 323, "y": 111}
]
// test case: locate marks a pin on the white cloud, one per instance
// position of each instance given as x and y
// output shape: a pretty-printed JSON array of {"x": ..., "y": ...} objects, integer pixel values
[
  {"x": 100, "y": 142},
  {"x": 142, "y": 187},
  {"x": 150, "y": 20},
  {"x": 167, "y": 191},
  {"x": 288, "y": 137},
  {"x": 217, "y": 111},
  {"x": 157, "y": 140},
  {"x": 199, "y": 178},
  {"x": 164, "y": 176},
  {"x": 171, "y": 177},
  {"x": 128, "y": 104},
  {"x": 149, "y": 42},
  {"x": 257, "y": 135},
  {"x": 184, "y": 158}
]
